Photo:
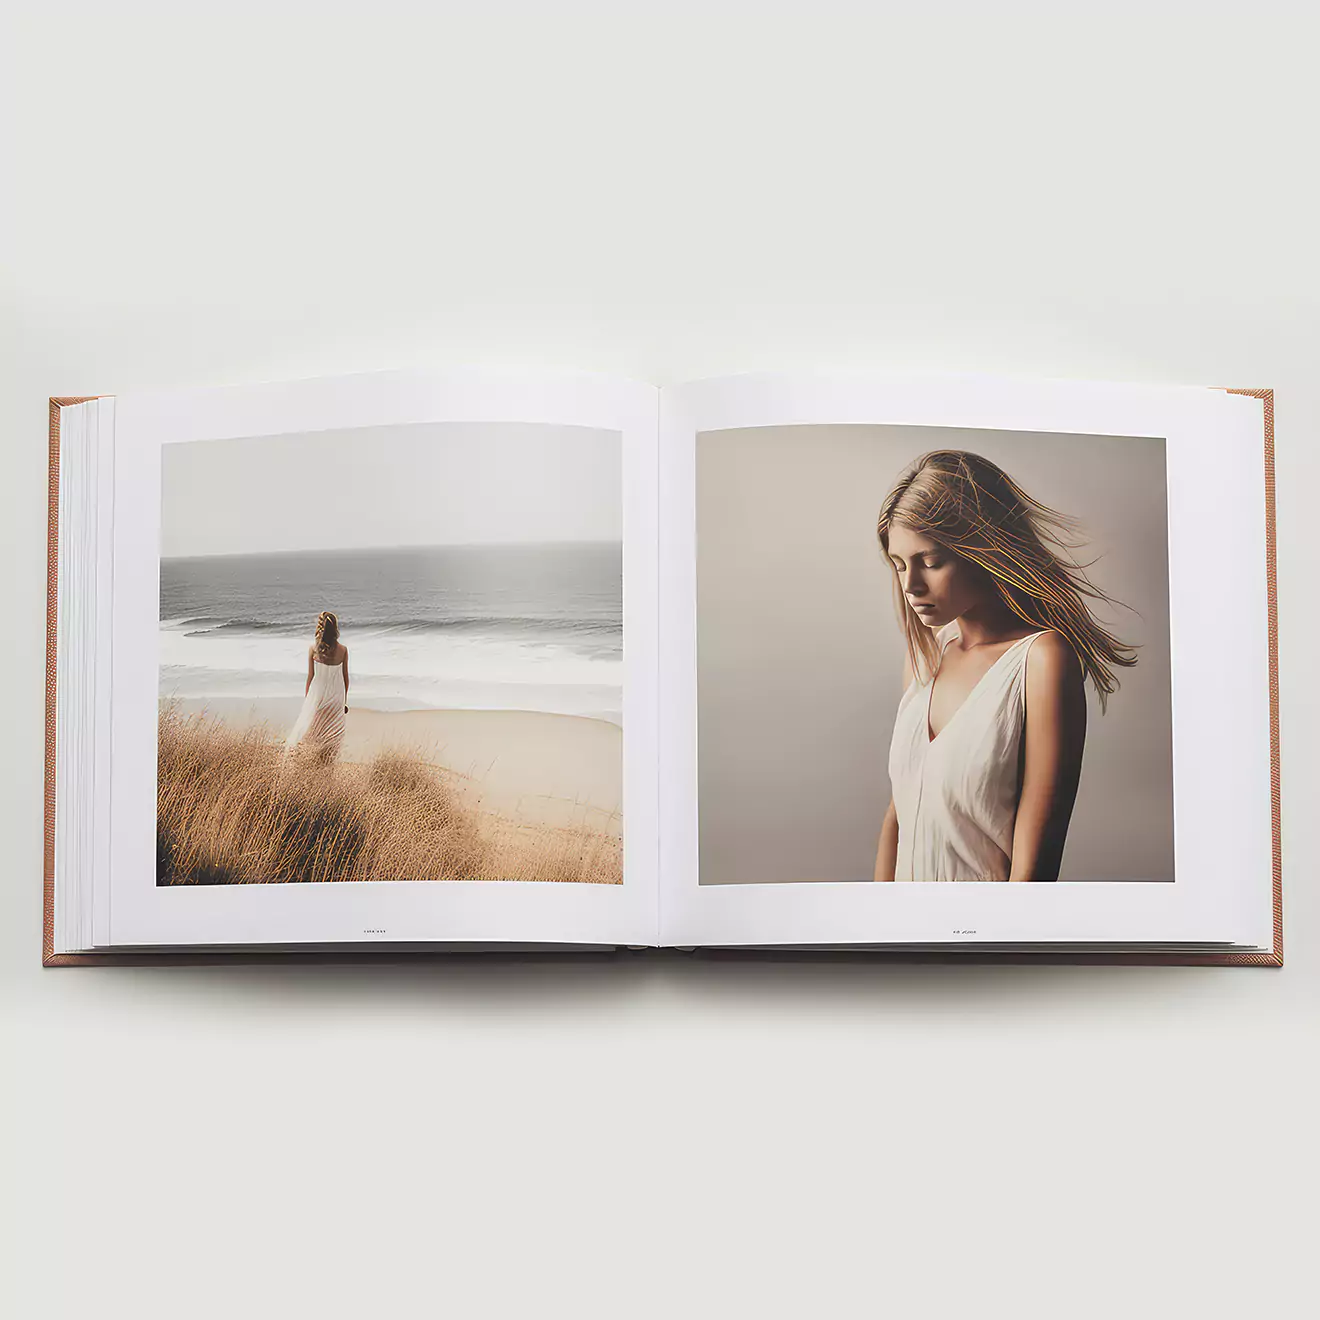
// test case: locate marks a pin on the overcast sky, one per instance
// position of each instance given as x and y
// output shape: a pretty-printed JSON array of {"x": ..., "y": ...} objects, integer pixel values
[{"x": 447, "y": 483}]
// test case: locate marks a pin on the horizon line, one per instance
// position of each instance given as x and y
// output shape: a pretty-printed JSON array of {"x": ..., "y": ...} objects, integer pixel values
[{"x": 413, "y": 545}]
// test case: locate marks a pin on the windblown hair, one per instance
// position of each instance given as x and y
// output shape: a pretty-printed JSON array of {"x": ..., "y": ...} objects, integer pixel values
[
  {"x": 977, "y": 511},
  {"x": 327, "y": 635}
]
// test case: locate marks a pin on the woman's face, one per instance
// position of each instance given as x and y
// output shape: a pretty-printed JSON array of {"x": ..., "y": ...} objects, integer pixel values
[{"x": 939, "y": 585}]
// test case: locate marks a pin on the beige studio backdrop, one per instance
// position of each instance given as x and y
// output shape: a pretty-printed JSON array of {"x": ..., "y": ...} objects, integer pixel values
[{"x": 800, "y": 657}]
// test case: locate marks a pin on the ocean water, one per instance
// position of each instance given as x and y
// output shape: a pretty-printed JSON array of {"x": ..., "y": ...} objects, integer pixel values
[{"x": 493, "y": 627}]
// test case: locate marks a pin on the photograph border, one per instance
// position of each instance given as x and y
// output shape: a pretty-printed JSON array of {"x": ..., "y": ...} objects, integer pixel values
[{"x": 1275, "y": 957}]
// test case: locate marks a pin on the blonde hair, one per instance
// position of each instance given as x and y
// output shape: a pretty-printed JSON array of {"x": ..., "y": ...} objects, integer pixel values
[
  {"x": 327, "y": 634},
  {"x": 977, "y": 511}
]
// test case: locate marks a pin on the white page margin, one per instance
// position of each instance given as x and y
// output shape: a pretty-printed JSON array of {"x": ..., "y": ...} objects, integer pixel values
[
  {"x": 1221, "y": 747},
  {"x": 505, "y": 911}
]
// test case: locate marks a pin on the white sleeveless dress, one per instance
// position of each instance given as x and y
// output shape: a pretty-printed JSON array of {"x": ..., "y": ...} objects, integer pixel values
[
  {"x": 319, "y": 728},
  {"x": 956, "y": 795}
]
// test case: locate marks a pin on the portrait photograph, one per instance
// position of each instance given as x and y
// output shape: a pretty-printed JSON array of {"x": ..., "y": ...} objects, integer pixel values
[
  {"x": 392, "y": 654},
  {"x": 932, "y": 654}
]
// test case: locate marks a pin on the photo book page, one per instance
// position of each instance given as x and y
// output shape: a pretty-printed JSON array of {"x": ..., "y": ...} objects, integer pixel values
[
  {"x": 950, "y": 629},
  {"x": 383, "y": 664},
  {"x": 520, "y": 659}
]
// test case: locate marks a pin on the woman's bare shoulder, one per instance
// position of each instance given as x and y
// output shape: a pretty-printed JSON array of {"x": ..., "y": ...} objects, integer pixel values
[{"x": 1051, "y": 660}]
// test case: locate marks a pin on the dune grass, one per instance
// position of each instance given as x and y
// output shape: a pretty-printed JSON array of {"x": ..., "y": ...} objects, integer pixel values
[{"x": 231, "y": 809}]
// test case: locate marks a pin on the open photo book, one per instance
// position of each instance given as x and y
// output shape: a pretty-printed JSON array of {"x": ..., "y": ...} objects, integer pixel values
[{"x": 932, "y": 666}]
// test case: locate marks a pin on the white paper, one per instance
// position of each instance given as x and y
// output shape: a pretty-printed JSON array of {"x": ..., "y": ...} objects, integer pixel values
[
  {"x": 142, "y": 913},
  {"x": 1222, "y": 826}
]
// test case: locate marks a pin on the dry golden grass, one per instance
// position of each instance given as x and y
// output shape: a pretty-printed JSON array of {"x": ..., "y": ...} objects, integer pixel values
[{"x": 232, "y": 810}]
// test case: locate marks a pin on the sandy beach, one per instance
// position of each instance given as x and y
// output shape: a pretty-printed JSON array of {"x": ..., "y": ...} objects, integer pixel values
[{"x": 558, "y": 770}]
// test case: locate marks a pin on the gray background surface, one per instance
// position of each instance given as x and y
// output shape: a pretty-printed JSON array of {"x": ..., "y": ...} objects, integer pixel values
[
  {"x": 667, "y": 191},
  {"x": 800, "y": 657}
]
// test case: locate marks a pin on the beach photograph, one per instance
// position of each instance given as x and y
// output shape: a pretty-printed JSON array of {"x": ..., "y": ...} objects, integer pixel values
[{"x": 392, "y": 654}]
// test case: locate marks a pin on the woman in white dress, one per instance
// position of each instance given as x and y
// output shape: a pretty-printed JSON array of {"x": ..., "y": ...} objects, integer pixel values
[
  {"x": 319, "y": 729},
  {"x": 987, "y": 746}
]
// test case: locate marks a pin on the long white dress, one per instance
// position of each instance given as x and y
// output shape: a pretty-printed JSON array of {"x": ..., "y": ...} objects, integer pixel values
[
  {"x": 956, "y": 794},
  {"x": 319, "y": 728}
]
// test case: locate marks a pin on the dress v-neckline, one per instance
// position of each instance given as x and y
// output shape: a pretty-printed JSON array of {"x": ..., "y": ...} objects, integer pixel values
[{"x": 933, "y": 738}]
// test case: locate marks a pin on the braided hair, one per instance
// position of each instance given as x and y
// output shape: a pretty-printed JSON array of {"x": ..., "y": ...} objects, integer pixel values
[{"x": 327, "y": 636}]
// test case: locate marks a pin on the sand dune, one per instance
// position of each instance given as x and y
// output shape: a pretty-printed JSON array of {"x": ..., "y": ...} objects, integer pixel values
[{"x": 524, "y": 765}]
